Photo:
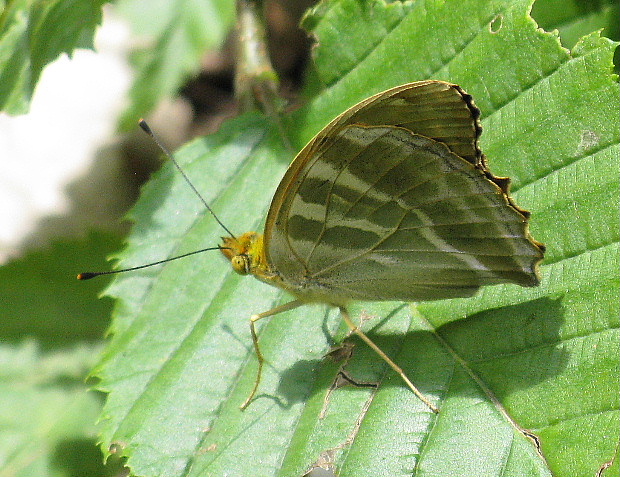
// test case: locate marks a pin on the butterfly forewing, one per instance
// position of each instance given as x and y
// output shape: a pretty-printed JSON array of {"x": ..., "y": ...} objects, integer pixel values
[
  {"x": 392, "y": 200},
  {"x": 433, "y": 109}
]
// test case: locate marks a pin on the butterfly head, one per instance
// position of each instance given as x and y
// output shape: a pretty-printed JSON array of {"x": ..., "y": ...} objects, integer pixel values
[{"x": 246, "y": 253}]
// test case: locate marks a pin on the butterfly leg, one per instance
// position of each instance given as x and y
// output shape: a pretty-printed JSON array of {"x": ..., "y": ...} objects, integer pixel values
[
  {"x": 355, "y": 329},
  {"x": 259, "y": 356}
]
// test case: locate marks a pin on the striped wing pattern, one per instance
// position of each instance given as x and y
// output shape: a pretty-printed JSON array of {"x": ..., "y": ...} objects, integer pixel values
[{"x": 398, "y": 205}]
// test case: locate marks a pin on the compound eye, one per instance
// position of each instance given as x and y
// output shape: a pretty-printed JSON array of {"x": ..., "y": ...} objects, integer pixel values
[{"x": 240, "y": 264}]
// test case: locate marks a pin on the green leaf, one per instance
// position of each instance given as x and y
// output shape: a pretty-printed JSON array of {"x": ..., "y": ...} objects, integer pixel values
[
  {"x": 45, "y": 407},
  {"x": 526, "y": 379},
  {"x": 330, "y": 22},
  {"x": 575, "y": 18},
  {"x": 33, "y": 34},
  {"x": 46, "y": 300},
  {"x": 50, "y": 329},
  {"x": 179, "y": 34}
]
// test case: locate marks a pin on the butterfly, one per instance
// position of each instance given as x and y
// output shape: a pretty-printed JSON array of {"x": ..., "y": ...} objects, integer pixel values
[{"x": 392, "y": 200}]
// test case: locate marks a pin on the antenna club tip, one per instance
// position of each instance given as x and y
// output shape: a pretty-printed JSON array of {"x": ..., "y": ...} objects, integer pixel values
[
  {"x": 86, "y": 275},
  {"x": 145, "y": 127}
]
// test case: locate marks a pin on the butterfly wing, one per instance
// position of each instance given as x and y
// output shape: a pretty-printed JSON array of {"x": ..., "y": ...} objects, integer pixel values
[{"x": 381, "y": 206}]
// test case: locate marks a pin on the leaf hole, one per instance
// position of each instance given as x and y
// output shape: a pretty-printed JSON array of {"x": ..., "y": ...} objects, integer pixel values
[
  {"x": 496, "y": 24},
  {"x": 117, "y": 447},
  {"x": 588, "y": 141},
  {"x": 325, "y": 464}
]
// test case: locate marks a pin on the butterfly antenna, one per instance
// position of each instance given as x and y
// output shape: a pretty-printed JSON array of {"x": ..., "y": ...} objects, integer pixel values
[
  {"x": 89, "y": 275},
  {"x": 145, "y": 127}
]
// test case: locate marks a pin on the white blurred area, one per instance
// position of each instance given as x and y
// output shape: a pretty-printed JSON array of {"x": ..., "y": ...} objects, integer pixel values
[{"x": 72, "y": 116}]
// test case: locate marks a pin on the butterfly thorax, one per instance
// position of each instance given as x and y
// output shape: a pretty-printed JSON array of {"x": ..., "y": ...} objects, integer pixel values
[{"x": 247, "y": 257}]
